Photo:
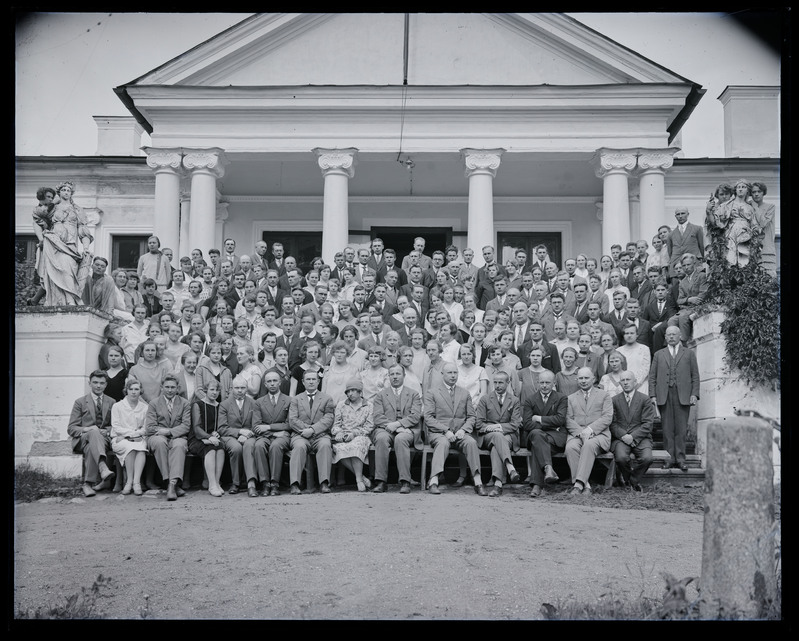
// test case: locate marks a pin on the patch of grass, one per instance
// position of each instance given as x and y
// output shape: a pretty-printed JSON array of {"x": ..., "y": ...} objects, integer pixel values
[
  {"x": 33, "y": 483},
  {"x": 81, "y": 605}
]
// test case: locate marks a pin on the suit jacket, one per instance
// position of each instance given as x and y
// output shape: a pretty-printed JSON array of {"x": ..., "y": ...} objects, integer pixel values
[
  {"x": 402, "y": 277},
  {"x": 547, "y": 319},
  {"x": 320, "y": 418},
  {"x": 280, "y": 270},
  {"x": 408, "y": 411},
  {"x": 690, "y": 286},
  {"x": 297, "y": 341},
  {"x": 685, "y": 375},
  {"x": 618, "y": 325},
  {"x": 366, "y": 343},
  {"x": 359, "y": 271},
  {"x": 599, "y": 297},
  {"x": 551, "y": 360},
  {"x": 310, "y": 308},
  {"x": 386, "y": 312},
  {"x": 232, "y": 419},
  {"x": 429, "y": 277},
  {"x": 377, "y": 265},
  {"x": 552, "y": 413},
  {"x": 234, "y": 258},
  {"x": 636, "y": 419},
  {"x": 442, "y": 414},
  {"x": 277, "y": 300},
  {"x": 606, "y": 328},
  {"x": 153, "y": 307},
  {"x": 158, "y": 417},
  {"x": 508, "y": 415},
  {"x": 84, "y": 414},
  {"x": 484, "y": 292},
  {"x": 494, "y": 304},
  {"x": 582, "y": 315},
  {"x": 651, "y": 314},
  {"x": 692, "y": 241},
  {"x": 597, "y": 414},
  {"x": 425, "y": 262},
  {"x": 644, "y": 333},
  {"x": 593, "y": 361},
  {"x": 641, "y": 292},
  {"x": 276, "y": 418}
]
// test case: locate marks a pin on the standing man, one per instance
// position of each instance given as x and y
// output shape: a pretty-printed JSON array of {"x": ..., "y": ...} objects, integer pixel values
[
  {"x": 467, "y": 267},
  {"x": 425, "y": 262},
  {"x": 154, "y": 265},
  {"x": 588, "y": 419},
  {"x": 544, "y": 425},
  {"x": 449, "y": 418},
  {"x": 90, "y": 426},
  {"x": 674, "y": 387},
  {"x": 100, "y": 290},
  {"x": 397, "y": 423},
  {"x": 498, "y": 419},
  {"x": 541, "y": 258},
  {"x": 230, "y": 253},
  {"x": 377, "y": 260},
  {"x": 277, "y": 261},
  {"x": 683, "y": 239},
  {"x": 236, "y": 429},
  {"x": 658, "y": 312},
  {"x": 272, "y": 436},
  {"x": 311, "y": 415},
  {"x": 166, "y": 426},
  {"x": 631, "y": 429}
]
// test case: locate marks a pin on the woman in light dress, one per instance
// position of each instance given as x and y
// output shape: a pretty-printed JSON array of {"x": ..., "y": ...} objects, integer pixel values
[
  {"x": 338, "y": 373},
  {"x": 127, "y": 434},
  {"x": 352, "y": 425},
  {"x": 566, "y": 378},
  {"x": 610, "y": 381},
  {"x": 120, "y": 278},
  {"x": 472, "y": 377},
  {"x": 764, "y": 224},
  {"x": 582, "y": 269},
  {"x": 355, "y": 355},
  {"x": 375, "y": 376},
  {"x": 204, "y": 439},
  {"x": 614, "y": 285},
  {"x": 245, "y": 356},
  {"x": 605, "y": 265}
]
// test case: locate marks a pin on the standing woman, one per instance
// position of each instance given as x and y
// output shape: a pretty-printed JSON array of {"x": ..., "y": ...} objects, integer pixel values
[
  {"x": 212, "y": 369},
  {"x": 764, "y": 223},
  {"x": 529, "y": 375},
  {"x": 204, "y": 440},
  {"x": 187, "y": 376},
  {"x": 471, "y": 376},
  {"x": 117, "y": 373},
  {"x": 242, "y": 334},
  {"x": 611, "y": 380},
  {"x": 113, "y": 338},
  {"x": 605, "y": 265},
  {"x": 338, "y": 373},
  {"x": 245, "y": 356},
  {"x": 150, "y": 372},
  {"x": 566, "y": 378},
  {"x": 582, "y": 266},
  {"x": 614, "y": 285},
  {"x": 266, "y": 355},
  {"x": 131, "y": 292},
  {"x": 127, "y": 434},
  {"x": 309, "y": 353},
  {"x": 352, "y": 425},
  {"x": 355, "y": 355},
  {"x": 608, "y": 343},
  {"x": 282, "y": 369},
  {"x": 374, "y": 378},
  {"x": 120, "y": 278}
]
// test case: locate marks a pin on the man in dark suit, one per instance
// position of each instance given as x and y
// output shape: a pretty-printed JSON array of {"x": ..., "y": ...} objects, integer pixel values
[
  {"x": 377, "y": 258},
  {"x": 646, "y": 290},
  {"x": 390, "y": 257},
  {"x": 167, "y": 424},
  {"x": 379, "y": 303},
  {"x": 594, "y": 320},
  {"x": 685, "y": 238},
  {"x": 617, "y": 317},
  {"x": 544, "y": 430},
  {"x": 640, "y": 284},
  {"x": 277, "y": 263},
  {"x": 397, "y": 423},
  {"x": 588, "y": 420},
  {"x": 657, "y": 313},
  {"x": 674, "y": 387},
  {"x": 430, "y": 275},
  {"x": 90, "y": 427},
  {"x": 553, "y": 313},
  {"x": 449, "y": 419},
  {"x": 579, "y": 306},
  {"x": 633, "y": 312},
  {"x": 338, "y": 267},
  {"x": 631, "y": 430},
  {"x": 272, "y": 435},
  {"x": 551, "y": 360},
  {"x": 417, "y": 298},
  {"x": 274, "y": 294},
  {"x": 498, "y": 418},
  {"x": 311, "y": 415},
  {"x": 693, "y": 289},
  {"x": 236, "y": 429}
]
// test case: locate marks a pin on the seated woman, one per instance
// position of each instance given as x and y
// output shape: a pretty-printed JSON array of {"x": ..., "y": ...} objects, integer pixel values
[
  {"x": 117, "y": 373},
  {"x": 352, "y": 425},
  {"x": 204, "y": 440},
  {"x": 127, "y": 434},
  {"x": 113, "y": 338}
]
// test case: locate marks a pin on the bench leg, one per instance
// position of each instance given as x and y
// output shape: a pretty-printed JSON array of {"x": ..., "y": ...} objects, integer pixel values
[
  {"x": 611, "y": 475},
  {"x": 424, "y": 470}
]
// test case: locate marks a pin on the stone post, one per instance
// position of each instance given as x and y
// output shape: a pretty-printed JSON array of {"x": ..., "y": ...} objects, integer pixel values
[
  {"x": 205, "y": 165},
  {"x": 481, "y": 168},
  {"x": 166, "y": 163},
  {"x": 738, "y": 565},
  {"x": 338, "y": 166},
  {"x": 614, "y": 166}
]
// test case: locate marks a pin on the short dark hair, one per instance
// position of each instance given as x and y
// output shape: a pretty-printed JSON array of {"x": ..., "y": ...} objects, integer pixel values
[{"x": 98, "y": 373}]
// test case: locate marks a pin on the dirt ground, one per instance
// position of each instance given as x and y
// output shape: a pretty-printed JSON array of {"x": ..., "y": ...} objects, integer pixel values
[{"x": 345, "y": 555}]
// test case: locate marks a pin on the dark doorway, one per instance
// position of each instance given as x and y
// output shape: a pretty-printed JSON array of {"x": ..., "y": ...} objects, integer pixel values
[
  {"x": 400, "y": 239},
  {"x": 302, "y": 245},
  {"x": 509, "y": 242}
]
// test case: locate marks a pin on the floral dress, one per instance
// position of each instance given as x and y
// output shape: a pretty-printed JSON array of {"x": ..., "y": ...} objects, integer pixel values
[{"x": 354, "y": 421}]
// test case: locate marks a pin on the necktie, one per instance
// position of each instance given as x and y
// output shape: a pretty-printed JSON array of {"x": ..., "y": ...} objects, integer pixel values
[
  {"x": 518, "y": 336},
  {"x": 274, "y": 400},
  {"x": 98, "y": 411},
  {"x": 169, "y": 410},
  {"x": 310, "y": 402},
  {"x": 660, "y": 307},
  {"x": 501, "y": 400},
  {"x": 618, "y": 315},
  {"x": 586, "y": 396},
  {"x": 397, "y": 392},
  {"x": 628, "y": 400},
  {"x": 452, "y": 394}
]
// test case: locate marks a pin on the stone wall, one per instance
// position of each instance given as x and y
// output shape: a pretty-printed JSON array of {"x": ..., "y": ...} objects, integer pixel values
[{"x": 54, "y": 351}]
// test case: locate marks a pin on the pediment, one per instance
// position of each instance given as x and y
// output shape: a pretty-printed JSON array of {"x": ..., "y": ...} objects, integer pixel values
[{"x": 443, "y": 50}]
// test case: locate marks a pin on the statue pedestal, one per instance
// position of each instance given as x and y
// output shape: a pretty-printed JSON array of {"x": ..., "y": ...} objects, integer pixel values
[
  {"x": 55, "y": 350},
  {"x": 721, "y": 393}
]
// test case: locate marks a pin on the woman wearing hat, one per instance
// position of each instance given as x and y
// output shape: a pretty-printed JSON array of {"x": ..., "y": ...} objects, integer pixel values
[{"x": 352, "y": 426}]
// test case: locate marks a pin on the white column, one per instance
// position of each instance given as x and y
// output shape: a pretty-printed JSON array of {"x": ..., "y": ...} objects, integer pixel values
[
  {"x": 635, "y": 211},
  {"x": 185, "y": 218},
  {"x": 481, "y": 167},
  {"x": 205, "y": 165},
  {"x": 338, "y": 166},
  {"x": 166, "y": 221},
  {"x": 614, "y": 166},
  {"x": 652, "y": 166},
  {"x": 221, "y": 217}
]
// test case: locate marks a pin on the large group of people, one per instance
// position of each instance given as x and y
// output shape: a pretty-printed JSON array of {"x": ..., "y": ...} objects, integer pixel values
[{"x": 250, "y": 359}]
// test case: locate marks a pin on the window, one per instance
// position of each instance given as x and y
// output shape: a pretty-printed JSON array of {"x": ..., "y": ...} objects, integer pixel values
[
  {"x": 302, "y": 245},
  {"x": 25, "y": 254},
  {"x": 509, "y": 242},
  {"x": 125, "y": 251}
]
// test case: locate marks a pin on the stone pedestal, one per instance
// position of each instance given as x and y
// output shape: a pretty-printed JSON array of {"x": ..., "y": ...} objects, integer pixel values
[
  {"x": 54, "y": 353},
  {"x": 721, "y": 393}
]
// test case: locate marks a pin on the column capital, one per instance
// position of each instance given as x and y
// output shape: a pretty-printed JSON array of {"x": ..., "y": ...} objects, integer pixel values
[
  {"x": 164, "y": 158},
  {"x": 211, "y": 160},
  {"x": 656, "y": 160},
  {"x": 222, "y": 212},
  {"x": 481, "y": 161},
  {"x": 337, "y": 161},
  {"x": 607, "y": 161}
]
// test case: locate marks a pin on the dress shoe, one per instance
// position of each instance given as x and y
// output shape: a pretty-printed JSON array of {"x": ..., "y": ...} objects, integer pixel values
[
  {"x": 480, "y": 490},
  {"x": 528, "y": 480},
  {"x": 234, "y": 489},
  {"x": 324, "y": 488},
  {"x": 137, "y": 489},
  {"x": 586, "y": 491},
  {"x": 274, "y": 490},
  {"x": 549, "y": 475},
  {"x": 105, "y": 484},
  {"x": 87, "y": 490},
  {"x": 295, "y": 489},
  {"x": 405, "y": 487},
  {"x": 171, "y": 493},
  {"x": 433, "y": 488},
  {"x": 416, "y": 483},
  {"x": 459, "y": 482},
  {"x": 127, "y": 489},
  {"x": 683, "y": 466},
  {"x": 576, "y": 490},
  {"x": 535, "y": 492},
  {"x": 380, "y": 487},
  {"x": 637, "y": 487},
  {"x": 495, "y": 491},
  {"x": 513, "y": 476},
  {"x": 252, "y": 492},
  {"x": 179, "y": 490},
  {"x": 367, "y": 483},
  {"x": 361, "y": 486},
  {"x": 106, "y": 473}
]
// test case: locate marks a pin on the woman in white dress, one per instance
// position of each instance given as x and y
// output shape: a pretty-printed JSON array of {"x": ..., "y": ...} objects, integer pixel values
[
  {"x": 448, "y": 302},
  {"x": 352, "y": 425},
  {"x": 611, "y": 382},
  {"x": 470, "y": 376},
  {"x": 338, "y": 373},
  {"x": 127, "y": 434},
  {"x": 120, "y": 277},
  {"x": 614, "y": 285},
  {"x": 355, "y": 355},
  {"x": 581, "y": 270},
  {"x": 245, "y": 356}
]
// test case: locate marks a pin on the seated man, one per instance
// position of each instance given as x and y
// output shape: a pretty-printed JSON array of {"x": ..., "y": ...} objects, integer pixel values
[
  {"x": 397, "y": 423},
  {"x": 311, "y": 416},
  {"x": 90, "y": 427},
  {"x": 236, "y": 429},
  {"x": 631, "y": 429},
  {"x": 272, "y": 435},
  {"x": 693, "y": 289},
  {"x": 588, "y": 418},
  {"x": 498, "y": 419},
  {"x": 544, "y": 425},
  {"x": 449, "y": 418},
  {"x": 166, "y": 426}
]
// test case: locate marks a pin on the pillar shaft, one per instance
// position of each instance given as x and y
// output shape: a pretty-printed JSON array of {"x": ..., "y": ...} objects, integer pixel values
[
  {"x": 652, "y": 165},
  {"x": 481, "y": 168},
  {"x": 185, "y": 218},
  {"x": 338, "y": 166},
  {"x": 166, "y": 163},
  {"x": 205, "y": 165},
  {"x": 614, "y": 166}
]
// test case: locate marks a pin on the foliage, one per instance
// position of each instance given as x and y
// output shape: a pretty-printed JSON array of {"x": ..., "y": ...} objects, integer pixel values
[
  {"x": 81, "y": 605},
  {"x": 750, "y": 297},
  {"x": 32, "y": 484},
  {"x": 24, "y": 287}
]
